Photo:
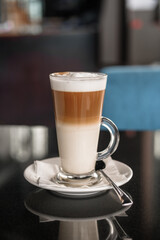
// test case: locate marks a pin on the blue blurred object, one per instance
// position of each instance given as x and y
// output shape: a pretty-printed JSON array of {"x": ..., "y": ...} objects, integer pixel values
[{"x": 132, "y": 98}]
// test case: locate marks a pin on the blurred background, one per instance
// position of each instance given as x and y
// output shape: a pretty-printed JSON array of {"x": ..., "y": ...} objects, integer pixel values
[{"x": 39, "y": 37}]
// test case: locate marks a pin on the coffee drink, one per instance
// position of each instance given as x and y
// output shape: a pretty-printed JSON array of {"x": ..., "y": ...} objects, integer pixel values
[{"x": 78, "y": 100}]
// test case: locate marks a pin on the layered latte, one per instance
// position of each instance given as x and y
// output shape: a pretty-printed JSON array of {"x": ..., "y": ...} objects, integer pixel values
[{"x": 78, "y": 102}]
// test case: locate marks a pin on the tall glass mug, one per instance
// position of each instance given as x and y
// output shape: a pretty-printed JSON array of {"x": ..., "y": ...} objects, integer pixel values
[{"x": 78, "y": 101}]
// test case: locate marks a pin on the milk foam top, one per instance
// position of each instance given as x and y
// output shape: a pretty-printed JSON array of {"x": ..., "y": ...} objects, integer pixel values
[{"x": 78, "y": 81}]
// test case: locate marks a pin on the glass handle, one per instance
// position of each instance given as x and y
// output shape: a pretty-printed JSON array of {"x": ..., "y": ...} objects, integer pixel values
[{"x": 114, "y": 138}]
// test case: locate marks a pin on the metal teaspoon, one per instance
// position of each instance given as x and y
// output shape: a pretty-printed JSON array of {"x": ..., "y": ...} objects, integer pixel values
[{"x": 123, "y": 197}]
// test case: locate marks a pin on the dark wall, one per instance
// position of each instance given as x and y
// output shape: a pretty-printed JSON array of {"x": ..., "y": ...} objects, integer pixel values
[{"x": 25, "y": 65}]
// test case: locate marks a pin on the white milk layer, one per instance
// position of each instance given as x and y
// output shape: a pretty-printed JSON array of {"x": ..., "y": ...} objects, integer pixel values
[
  {"x": 78, "y": 147},
  {"x": 78, "y": 81}
]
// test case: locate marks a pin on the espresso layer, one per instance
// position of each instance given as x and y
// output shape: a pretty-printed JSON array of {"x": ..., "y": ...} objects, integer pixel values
[{"x": 78, "y": 107}]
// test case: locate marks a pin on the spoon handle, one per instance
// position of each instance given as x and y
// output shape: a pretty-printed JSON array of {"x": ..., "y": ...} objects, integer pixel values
[
  {"x": 122, "y": 234},
  {"x": 123, "y": 197}
]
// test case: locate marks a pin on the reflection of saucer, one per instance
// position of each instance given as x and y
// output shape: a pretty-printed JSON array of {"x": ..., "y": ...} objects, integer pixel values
[
  {"x": 125, "y": 174},
  {"x": 50, "y": 206}
]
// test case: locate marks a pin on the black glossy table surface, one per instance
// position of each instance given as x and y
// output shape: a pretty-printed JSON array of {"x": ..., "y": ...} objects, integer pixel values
[{"x": 28, "y": 212}]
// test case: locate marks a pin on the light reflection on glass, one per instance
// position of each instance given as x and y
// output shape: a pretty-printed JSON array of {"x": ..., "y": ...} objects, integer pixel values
[
  {"x": 78, "y": 230},
  {"x": 4, "y": 143},
  {"x": 22, "y": 143},
  {"x": 39, "y": 142},
  {"x": 157, "y": 145}
]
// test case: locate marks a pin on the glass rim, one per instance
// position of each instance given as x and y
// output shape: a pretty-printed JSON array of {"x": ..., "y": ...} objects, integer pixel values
[{"x": 63, "y": 76}]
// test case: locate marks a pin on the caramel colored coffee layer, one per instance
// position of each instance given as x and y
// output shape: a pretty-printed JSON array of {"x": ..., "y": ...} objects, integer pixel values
[{"x": 78, "y": 107}]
